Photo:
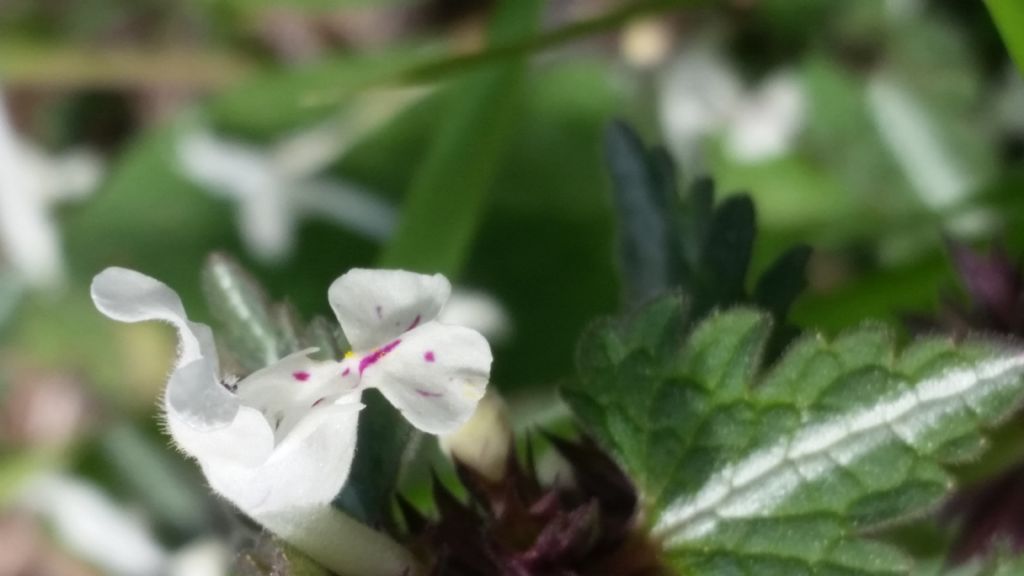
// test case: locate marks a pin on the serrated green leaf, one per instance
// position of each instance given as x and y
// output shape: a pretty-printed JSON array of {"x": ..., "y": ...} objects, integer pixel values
[
  {"x": 728, "y": 249},
  {"x": 694, "y": 220},
  {"x": 669, "y": 240},
  {"x": 644, "y": 192},
  {"x": 783, "y": 469},
  {"x": 784, "y": 280}
]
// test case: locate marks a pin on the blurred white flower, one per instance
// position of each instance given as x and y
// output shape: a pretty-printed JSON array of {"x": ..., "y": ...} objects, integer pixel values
[
  {"x": 940, "y": 179},
  {"x": 32, "y": 183},
  {"x": 94, "y": 527},
  {"x": 274, "y": 190},
  {"x": 477, "y": 310},
  {"x": 276, "y": 187},
  {"x": 279, "y": 443},
  {"x": 701, "y": 95}
]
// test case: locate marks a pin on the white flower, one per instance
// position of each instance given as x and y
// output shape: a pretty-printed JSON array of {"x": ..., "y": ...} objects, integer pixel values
[
  {"x": 280, "y": 442},
  {"x": 915, "y": 141},
  {"x": 31, "y": 184},
  {"x": 480, "y": 311},
  {"x": 275, "y": 189},
  {"x": 92, "y": 526},
  {"x": 278, "y": 186},
  {"x": 702, "y": 95}
]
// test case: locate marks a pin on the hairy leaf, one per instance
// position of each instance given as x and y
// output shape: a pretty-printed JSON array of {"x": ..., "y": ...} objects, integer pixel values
[
  {"x": 779, "y": 471},
  {"x": 670, "y": 240},
  {"x": 643, "y": 196},
  {"x": 241, "y": 307}
]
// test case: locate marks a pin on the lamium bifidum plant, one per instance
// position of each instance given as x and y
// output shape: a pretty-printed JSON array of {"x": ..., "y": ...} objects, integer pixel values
[{"x": 714, "y": 436}]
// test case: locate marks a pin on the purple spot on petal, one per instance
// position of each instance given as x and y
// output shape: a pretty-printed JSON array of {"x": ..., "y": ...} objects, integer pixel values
[
  {"x": 429, "y": 394},
  {"x": 376, "y": 355},
  {"x": 318, "y": 402},
  {"x": 301, "y": 376},
  {"x": 346, "y": 372},
  {"x": 428, "y": 355},
  {"x": 415, "y": 323}
]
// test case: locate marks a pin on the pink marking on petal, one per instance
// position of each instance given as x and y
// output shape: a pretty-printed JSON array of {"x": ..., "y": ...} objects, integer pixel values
[
  {"x": 428, "y": 355},
  {"x": 376, "y": 355},
  {"x": 429, "y": 394},
  {"x": 415, "y": 323},
  {"x": 346, "y": 372},
  {"x": 301, "y": 375}
]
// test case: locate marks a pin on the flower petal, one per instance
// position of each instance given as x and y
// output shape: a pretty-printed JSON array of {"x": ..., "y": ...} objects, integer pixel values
[
  {"x": 199, "y": 399},
  {"x": 129, "y": 296},
  {"x": 434, "y": 375},
  {"x": 247, "y": 440},
  {"x": 287, "y": 389},
  {"x": 308, "y": 467},
  {"x": 376, "y": 306}
]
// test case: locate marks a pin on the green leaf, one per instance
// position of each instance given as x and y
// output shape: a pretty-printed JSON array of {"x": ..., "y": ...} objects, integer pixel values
[
  {"x": 783, "y": 281},
  {"x": 11, "y": 292},
  {"x": 443, "y": 208},
  {"x": 1001, "y": 563},
  {"x": 384, "y": 436},
  {"x": 1009, "y": 18},
  {"x": 781, "y": 470},
  {"x": 644, "y": 194},
  {"x": 668, "y": 241},
  {"x": 728, "y": 248},
  {"x": 243, "y": 311}
]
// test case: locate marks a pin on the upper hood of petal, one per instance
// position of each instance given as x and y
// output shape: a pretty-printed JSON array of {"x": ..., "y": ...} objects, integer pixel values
[
  {"x": 376, "y": 306},
  {"x": 199, "y": 399}
]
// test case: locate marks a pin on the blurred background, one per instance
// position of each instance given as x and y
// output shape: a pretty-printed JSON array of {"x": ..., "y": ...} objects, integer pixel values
[{"x": 305, "y": 137}]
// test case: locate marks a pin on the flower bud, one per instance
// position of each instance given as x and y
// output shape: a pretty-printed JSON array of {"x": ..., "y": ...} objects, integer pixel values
[{"x": 483, "y": 442}]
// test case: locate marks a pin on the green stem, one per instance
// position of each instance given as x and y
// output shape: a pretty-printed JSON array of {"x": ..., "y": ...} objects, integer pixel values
[
  {"x": 1009, "y": 18},
  {"x": 338, "y": 542},
  {"x": 442, "y": 66},
  {"x": 524, "y": 46},
  {"x": 27, "y": 64}
]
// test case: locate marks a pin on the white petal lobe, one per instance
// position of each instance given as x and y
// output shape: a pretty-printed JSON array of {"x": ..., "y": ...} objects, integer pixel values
[
  {"x": 376, "y": 306},
  {"x": 193, "y": 393},
  {"x": 434, "y": 375}
]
